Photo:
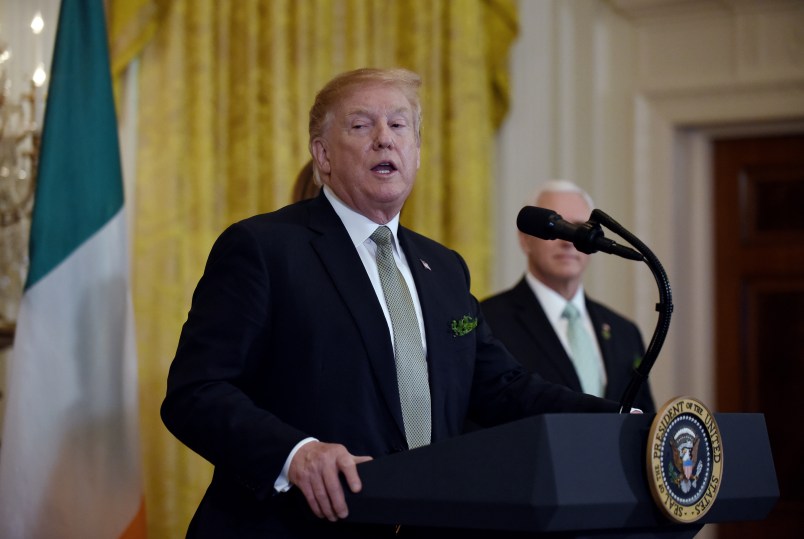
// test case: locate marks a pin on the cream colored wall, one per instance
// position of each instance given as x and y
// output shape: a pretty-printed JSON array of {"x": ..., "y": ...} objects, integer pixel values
[
  {"x": 624, "y": 96},
  {"x": 570, "y": 118}
]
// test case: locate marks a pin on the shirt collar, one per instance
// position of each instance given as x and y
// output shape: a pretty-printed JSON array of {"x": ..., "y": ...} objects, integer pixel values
[
  {"x": 359, "y": 227},
  {"x": 552, "y": 302}
]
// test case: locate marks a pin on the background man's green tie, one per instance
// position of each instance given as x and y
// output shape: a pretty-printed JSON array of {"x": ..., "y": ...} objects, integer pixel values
[{"x": 584, "y": 355}]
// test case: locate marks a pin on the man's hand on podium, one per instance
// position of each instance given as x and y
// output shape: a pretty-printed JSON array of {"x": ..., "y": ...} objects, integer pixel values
[{"x": 315, "y": 469}]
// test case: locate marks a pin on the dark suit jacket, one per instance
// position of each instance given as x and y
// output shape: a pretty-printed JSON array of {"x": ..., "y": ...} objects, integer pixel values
[
  {"x": 286, "y": 339},
  {"x": 518, "y": 320}
]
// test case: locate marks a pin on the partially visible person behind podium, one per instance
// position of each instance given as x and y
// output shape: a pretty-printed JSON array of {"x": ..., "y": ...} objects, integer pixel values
[
  {"x": 305, "y": 186},
  {"x": 325, "y": 334},
  {"x": 552, "y": 327}
]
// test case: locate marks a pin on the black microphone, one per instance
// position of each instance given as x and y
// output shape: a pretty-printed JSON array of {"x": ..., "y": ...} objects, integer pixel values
[{"x": 586, "y": 237}]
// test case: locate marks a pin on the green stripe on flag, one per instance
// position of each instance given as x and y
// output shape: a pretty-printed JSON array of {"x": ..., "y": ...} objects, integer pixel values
[{"x": 79, "y": 182}]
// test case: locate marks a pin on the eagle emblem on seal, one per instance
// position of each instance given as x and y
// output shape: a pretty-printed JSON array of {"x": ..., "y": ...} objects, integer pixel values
[{"x": 685, "y": 467}]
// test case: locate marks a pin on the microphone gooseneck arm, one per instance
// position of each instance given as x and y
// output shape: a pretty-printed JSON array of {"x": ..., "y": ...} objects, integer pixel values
[{"x": 664, "y": 307}]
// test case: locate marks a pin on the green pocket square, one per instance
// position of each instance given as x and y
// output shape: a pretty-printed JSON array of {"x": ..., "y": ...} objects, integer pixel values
[{"x": 463, "y": 326}]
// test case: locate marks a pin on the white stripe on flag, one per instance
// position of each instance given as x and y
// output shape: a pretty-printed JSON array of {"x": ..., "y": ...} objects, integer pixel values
[{"x": 69, "y": 461}]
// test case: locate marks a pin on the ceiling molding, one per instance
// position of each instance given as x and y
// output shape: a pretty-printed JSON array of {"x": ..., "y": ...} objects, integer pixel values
[{"x": 647, "y": 10}]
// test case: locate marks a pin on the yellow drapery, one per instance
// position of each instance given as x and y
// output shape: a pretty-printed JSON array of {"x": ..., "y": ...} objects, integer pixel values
[{"x": 225, "y": 88}]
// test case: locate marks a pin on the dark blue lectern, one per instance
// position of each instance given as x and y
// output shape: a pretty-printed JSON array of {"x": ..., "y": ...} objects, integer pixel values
[{"x": 565, "y": 475}]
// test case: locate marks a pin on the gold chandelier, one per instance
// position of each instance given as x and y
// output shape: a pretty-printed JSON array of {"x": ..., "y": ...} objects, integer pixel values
[
  {"x": 20, "y": 130},
  {"x": 19, "y": 149}
]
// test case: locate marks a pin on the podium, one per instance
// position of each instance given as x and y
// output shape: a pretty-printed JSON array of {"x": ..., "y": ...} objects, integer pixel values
[{"x": 561, "y": 475}]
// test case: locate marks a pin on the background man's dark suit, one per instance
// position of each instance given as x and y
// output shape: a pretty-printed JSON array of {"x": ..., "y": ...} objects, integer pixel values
[
  {"x": 286, "y": 339},
  {"x": 518, "y": 320}
]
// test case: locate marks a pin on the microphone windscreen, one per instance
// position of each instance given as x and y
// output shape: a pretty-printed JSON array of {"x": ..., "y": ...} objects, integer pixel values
[{"x": 536, "y": 221}]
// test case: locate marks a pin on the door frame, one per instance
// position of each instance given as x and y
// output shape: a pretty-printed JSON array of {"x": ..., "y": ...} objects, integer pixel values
[{"x": 673, "y": 204}]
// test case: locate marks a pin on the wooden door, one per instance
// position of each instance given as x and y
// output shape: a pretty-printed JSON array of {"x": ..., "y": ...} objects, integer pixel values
[{"x": 759, "y": 290}]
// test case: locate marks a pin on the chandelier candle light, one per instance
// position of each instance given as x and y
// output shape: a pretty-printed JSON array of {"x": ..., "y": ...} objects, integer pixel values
[{"x": 20, "y": 127}]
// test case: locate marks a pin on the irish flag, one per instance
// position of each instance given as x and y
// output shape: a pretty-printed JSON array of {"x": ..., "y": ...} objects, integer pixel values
[{"x": 70, "y": 454}]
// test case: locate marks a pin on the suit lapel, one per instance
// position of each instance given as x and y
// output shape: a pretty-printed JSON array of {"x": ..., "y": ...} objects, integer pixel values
[
  {"x": 602, "y": 331},
  {"x": 426, "y": 283},
  {"x": 543, "y": 336},
  {"x": 339, "y": 257},
  {"x": 607, "y": 345}
]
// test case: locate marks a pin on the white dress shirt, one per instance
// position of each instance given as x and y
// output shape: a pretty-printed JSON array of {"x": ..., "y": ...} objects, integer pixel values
[
  {"x": 360, "y": 229},
  {"x": 553, "y": 304}
]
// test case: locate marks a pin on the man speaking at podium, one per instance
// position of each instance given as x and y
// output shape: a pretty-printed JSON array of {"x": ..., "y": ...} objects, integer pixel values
[{"x": 326, "y": 334}]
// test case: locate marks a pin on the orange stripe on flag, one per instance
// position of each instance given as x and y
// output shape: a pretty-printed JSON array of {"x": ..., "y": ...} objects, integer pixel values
[{"x": 137, "y": 528}]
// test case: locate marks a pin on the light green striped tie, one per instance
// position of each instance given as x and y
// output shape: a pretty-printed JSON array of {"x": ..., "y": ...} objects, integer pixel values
[
  {"x": 584, "y": 355},
  {"x": 411, "y": 364}
]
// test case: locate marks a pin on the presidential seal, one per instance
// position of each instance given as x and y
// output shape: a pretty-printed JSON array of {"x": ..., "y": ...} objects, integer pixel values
[{"x": 685, "y": 459}]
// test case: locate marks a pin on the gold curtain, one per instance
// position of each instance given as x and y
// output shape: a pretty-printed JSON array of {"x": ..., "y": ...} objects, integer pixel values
[{"x": 225, "y": 89}]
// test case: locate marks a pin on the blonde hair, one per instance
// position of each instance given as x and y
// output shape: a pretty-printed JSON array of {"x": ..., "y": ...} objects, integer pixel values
[{"x": 404, "y": 80}]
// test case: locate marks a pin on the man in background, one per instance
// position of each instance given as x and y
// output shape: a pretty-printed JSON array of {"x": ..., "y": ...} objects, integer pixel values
[{"x": 549, "y": 324}]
